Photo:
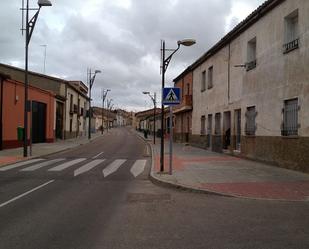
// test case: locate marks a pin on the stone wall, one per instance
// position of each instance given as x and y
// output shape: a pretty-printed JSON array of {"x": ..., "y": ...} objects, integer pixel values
[{"x": 291, "y": 153}]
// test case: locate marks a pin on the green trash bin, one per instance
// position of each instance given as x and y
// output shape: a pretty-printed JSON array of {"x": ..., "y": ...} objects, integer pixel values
[{"x": 20, "y": 133}]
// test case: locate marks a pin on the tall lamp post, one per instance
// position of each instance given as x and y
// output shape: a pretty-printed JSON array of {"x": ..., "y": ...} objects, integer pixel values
[
  {"x": 29, "y": 30},
  {"x": 109, "y": 108},
  {"x": 165, "y": 62},
  {"x": 104, "y": 94},
  {"x": 91, "y": 81},
  {"x": 154, "y": 100}
]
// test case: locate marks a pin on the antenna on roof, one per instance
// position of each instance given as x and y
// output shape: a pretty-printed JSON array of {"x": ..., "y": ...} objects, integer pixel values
[{"x": 22, "y": 17}]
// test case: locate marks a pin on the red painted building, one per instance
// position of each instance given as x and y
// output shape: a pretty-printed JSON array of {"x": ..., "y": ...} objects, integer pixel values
[
  {"x": 41, "y": 117},
  {"x": 183, "y": 112}
]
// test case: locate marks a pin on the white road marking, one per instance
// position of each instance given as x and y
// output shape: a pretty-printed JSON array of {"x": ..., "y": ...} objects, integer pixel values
[
  {"x": 67, "y": 164},
  {"x": 16, "y": 165},
  {"x": 97, "y": 155},
  {"x": 43, "y": 164},
  {"x": 24, "y": 194},
  {"x": 138, "y": 167},
  {"x": 114, "y": 166},
  {"x": 88, "y": 166}
]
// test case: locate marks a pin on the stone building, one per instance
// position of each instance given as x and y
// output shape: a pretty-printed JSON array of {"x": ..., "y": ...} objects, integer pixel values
[{"x": 251, "y": 90}]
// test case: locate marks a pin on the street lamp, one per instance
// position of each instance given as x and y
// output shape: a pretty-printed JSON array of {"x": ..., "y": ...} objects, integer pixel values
[
  {"x": 109, "y": 108},
  {"x": 154, "y": 100},
  {"x": 91, "y": 81},
  {"x": 29, "y": 30},
  {"x": 104, "y": 94},
  {"x": 165, "y": 63}
]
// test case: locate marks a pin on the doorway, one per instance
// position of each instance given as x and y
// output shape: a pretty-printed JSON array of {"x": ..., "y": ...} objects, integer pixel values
[
  {"x": 209, "y": 131},
  {"x": 38, "y": 122},
  {"x": 237, "y": 129},
  {"x": 59, "y": 120},
  {"x": 227, "y": 130}
]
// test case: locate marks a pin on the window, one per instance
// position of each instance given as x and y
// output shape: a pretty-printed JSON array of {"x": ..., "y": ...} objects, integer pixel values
[
  {"x": 203, "y": 119},
  {"x": 210, "y": 77},
  {"x": 71, "y": 103},
  {"x": 188, "y": 88},
  {"x": 71, "y": 125},
  {"x": 250, "y": 121},
  {"x": 251, "y": 54},
  {"x": 290, "y": 118},
  {"x": 291, "y": 35},
  {"x": 218, "y": 124},
  {"x": 203, "y": 82}
]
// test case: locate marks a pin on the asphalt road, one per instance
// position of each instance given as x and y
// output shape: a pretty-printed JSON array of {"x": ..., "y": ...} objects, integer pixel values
[{"x": 99, "y": 196}]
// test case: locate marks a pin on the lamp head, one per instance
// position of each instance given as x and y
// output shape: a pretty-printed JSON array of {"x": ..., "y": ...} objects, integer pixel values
[
  {"x": 43, "y": 3},
  {"x": 186, "y": 42},
  {"x": 146, "y": 92},
  {"x": 97, "y": 71}
]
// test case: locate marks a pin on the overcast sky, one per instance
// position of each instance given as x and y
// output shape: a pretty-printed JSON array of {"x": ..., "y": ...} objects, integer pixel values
[{"x": 119, "y": 37}]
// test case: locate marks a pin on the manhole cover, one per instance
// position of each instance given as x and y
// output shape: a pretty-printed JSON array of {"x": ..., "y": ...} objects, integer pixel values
[{"x": 143, "y": 197}]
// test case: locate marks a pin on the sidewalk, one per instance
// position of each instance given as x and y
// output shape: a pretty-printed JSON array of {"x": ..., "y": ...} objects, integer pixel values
[
  {"x": 13, "y": 155},
  {"x": 204, "y": 171}
]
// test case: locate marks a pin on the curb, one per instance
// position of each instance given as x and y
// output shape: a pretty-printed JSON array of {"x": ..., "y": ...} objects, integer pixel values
[
  {"x": 154, "y": 179},
  {"x": 164, "y": 183}
]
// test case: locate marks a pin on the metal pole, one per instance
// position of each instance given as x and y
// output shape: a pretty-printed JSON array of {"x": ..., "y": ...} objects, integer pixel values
[
  {"x": 30, "y": 139},
  {"x": 90, "y": 114},
  {"x": 162, "y": 109},
  {"x": 171, "y": 141},
  {"x": 154, "y": 118},
  {"x": 102, "y": 109},
  {"x": 26, "y": 83},
  {"x": 45, "y": 58}
]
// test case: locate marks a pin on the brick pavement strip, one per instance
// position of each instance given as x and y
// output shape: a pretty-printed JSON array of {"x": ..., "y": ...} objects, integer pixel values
[
  {"x": 202, "y": 171},
  {"x": 291, "y": 191}
]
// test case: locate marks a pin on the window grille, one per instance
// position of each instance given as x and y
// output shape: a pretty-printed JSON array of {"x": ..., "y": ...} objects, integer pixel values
[
  {"x": 218, "y": 124},
  {"x": 290, "y": 118},
  {"x": 203, "y": 125},
  {"x": 250, "y": 121},
  {"x": 291, "y": 32}
]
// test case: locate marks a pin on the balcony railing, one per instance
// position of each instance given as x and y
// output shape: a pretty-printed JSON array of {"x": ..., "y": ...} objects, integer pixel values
[
  {"x": 251, "y": 65},
  {"x": 291, "y": 46}
]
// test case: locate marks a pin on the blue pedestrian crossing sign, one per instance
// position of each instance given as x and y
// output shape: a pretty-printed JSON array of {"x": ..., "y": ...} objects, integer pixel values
[{"x": 171, "y": 96}]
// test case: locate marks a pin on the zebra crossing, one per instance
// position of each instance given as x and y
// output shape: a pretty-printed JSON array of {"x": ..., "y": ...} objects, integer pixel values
[{"x": 84, "y": 165}]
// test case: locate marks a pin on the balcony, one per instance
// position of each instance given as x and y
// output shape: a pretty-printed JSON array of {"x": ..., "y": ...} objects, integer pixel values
[
  {"x": 291, "y": 46},
  {"x": 250, "y": 65},
  {"x": 185, "y": 105}
]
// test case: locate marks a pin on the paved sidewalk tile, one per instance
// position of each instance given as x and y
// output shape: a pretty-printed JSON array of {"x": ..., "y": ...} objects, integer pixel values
[{"x": 200, "y": 169}]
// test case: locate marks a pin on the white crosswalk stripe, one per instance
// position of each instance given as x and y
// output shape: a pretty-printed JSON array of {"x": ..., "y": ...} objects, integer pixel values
[
  {"x": 67, "y": 164},
  {"x": 113, "y": 167},
  {"x": 88, "y": 166},
  {"x": 20, "y": 164},
  {"x": 43, "y": 164},
  {"x": 138, "y": 167}
]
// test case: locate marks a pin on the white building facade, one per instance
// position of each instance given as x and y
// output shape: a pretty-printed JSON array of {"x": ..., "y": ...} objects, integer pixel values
[{"x": 251, "y": 90}]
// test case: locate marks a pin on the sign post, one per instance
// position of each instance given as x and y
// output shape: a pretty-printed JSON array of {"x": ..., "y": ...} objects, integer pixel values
[{"x": 170, "y": 97}]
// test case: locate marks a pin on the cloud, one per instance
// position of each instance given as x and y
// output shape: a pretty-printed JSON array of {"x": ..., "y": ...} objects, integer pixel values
[{"x": 121, "y": 38}]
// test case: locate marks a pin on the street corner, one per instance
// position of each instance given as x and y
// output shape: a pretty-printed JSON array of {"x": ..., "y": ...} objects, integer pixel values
[
  {"x": 5, "y": 160},
  {"x": 283, "y": 191}
]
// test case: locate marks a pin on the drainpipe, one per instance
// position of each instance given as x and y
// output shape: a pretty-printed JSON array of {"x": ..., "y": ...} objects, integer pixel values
[
  {"x": 229, "y": 74},
  {"x": 1, "y": 125}
]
